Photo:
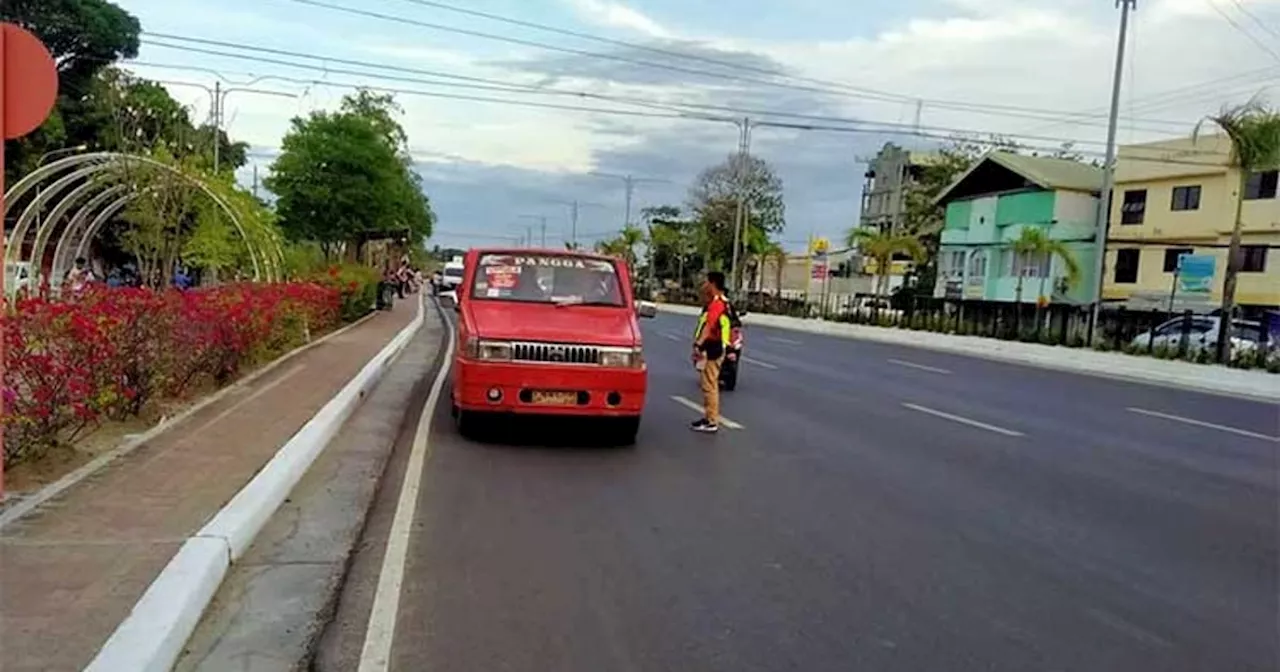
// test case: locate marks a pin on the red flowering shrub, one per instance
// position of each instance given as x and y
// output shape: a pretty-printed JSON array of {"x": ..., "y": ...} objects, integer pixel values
[
  {"x": 107, "y": 353},
  {"x": 357, "y": 284}
]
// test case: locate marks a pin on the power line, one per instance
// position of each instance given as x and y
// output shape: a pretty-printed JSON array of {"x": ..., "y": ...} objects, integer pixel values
[
  {"x": 935, "y": 133},
  {"x": 865, "y": 94},
  {"x": 1265, "y": 28},
  {"x": 677, "y": 108},
  {"x": 939, "y": 133},
  {"x": 1252, "y": 38}
]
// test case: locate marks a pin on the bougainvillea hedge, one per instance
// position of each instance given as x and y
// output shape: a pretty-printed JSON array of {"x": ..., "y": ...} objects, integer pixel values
[{"x": 107, "y": 354}]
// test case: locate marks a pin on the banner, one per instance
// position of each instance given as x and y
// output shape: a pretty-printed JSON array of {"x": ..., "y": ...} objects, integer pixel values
[{"x": 1195, "y": 273}]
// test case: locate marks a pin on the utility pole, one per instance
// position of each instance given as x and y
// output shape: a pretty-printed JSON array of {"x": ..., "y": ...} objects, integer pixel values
[
  {"x": 542, "y": 222},
  {"x": 255, "y": 180},
  {"x": 217, "y": 122},
  {"x": 1109, "y": 170},
  {"x": 744, "y": 151},
  {"x": 573, "y": 226}
]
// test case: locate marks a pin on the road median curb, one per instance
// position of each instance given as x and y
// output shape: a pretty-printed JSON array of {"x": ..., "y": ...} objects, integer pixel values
[
  {"x": 153, "y": 635},
  {"x": 1253, "y": 385}
]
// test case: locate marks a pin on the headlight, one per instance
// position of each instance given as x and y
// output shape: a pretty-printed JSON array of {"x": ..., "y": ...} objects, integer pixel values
[
  {"x": 622, "y": 358},
  {"x": 488, "y": 351}
]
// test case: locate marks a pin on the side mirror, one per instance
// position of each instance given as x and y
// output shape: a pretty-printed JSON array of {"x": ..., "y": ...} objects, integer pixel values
[{"x": 646, "y": 309}]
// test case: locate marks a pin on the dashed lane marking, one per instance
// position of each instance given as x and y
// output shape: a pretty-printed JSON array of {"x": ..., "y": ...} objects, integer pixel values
[
  {"x": 921, "y": 367},
  {"x": 698, "y": 407},
  {"x": 1202, "y": 423},
  {"x": 963, "y": 420},
  {"x": 755, "y": 362}
]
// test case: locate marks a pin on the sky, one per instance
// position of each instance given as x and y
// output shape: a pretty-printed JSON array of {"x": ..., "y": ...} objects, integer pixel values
[{"x": 567, "y": 111}]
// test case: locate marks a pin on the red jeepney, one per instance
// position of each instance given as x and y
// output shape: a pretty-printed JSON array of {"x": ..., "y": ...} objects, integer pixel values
[{"x": 548, "y": 332}]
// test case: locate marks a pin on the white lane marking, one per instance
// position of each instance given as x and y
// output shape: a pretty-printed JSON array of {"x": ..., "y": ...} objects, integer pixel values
[
  {"x": 1202, "y": 423},
  {"x": 922, "y": 367},
  {"x": 963, "y": 420},
  {"x": 670, "y": 336},
  {"x": 375, "y": 656},
  {"x": 788, "y": 341},
  {"x": 698, "y": 407},
  {"x": 755, "y": 362}
]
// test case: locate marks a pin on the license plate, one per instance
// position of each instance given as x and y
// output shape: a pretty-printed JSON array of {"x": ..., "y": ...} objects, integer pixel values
[{"x": 554, "y": 398}]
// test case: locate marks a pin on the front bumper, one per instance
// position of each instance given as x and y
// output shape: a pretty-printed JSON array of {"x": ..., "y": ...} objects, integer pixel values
[{"x": 597, "y": 388}]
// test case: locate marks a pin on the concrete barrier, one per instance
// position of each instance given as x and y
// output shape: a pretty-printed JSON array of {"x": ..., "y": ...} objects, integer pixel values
[{"x": 152, "y": 636}]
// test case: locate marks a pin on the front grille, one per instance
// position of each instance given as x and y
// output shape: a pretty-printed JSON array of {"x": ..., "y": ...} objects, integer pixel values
[{"x": 557, "y": 353}]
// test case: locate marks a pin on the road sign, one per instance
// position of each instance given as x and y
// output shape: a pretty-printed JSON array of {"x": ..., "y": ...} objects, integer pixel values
[
  {"x": 29, "y": 80},
  {"x": 28, "y": 87},
  {"x": 1195, "y": 273},
  {"x": 820, "y": 271}
]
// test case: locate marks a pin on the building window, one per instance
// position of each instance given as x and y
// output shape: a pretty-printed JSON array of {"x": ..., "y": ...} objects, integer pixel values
[
  {"x": 1031, "y": 265},
  {"x": 955, "y": 264},
  {"x": 1186, "y": 198},
  {"x": 1171, "y": 257},
  {"x": 978, "y": 265},
  {"x": 1127, "y": 265},
  {"x": 1261, "y": 185},
  {"x": 1134, "y": 210},
  {"x": 1253, "y": 259}
]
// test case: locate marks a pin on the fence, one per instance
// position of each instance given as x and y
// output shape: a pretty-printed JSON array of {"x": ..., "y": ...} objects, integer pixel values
[{"x": 1130, "y": 331}]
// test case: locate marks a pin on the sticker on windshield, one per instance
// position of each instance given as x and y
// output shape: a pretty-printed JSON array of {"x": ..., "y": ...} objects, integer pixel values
[
  {"x": 502, "y": 277},
  {"x": 493, "y": 293}
]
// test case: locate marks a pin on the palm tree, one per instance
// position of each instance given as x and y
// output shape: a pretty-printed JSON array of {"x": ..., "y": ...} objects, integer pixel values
[
  {"x": 882, "y": 247},
  {"x": 1034, "y": 244},
  {"x": 1254, "y": 131},
  {"x": 775, "y": 253}
]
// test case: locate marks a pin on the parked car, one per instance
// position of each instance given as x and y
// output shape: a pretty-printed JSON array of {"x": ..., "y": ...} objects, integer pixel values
[
  {"x": 548, "y": 332},
  {"x": 1246, "y": 335}
]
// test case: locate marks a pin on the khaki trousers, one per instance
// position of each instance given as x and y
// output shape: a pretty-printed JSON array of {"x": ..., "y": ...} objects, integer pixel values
[{"x": 711, "y": 390}]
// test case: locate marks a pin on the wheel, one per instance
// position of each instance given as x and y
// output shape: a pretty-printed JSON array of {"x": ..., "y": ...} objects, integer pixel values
[
  {"x": 625, "y": 431},
  {"x": 729, "y": 376},
  {"x": 465, "y": 421}
]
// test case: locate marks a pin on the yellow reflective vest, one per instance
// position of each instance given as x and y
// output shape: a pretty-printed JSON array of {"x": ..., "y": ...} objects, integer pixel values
[{"x": 724, "y": 323}]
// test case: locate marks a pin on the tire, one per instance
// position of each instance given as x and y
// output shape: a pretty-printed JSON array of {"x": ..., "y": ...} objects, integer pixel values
[
  {"x": 625, "y": 431},
  {"x": 729, "y": 376},
  {"x": 465, "y": 421}
]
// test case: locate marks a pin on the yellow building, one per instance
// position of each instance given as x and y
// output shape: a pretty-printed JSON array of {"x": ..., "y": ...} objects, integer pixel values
[{"x": 1179, "y": 196}]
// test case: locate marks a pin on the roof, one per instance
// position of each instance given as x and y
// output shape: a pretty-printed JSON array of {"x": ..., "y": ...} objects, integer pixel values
[{"x": 1043, "y": 171}]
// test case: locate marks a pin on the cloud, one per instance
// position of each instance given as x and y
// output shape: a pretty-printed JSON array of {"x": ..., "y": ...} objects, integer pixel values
[{"x": 617, "y": 15}]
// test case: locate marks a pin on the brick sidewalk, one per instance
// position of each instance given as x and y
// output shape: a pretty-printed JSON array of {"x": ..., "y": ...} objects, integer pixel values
[{"x": 72, "y": 569}]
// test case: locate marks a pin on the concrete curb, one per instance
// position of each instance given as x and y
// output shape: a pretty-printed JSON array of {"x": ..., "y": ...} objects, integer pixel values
[
  {"x": 152, "y": 636},
  {"x": 1252, "y": 385},
  {"x": 29, "y": 503}
]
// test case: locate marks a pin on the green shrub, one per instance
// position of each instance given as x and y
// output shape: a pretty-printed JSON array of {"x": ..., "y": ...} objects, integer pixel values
[{"x": 358, "y": 286}]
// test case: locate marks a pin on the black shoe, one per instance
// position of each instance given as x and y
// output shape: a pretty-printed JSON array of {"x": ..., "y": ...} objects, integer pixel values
[{"x": 702, "y": 425}]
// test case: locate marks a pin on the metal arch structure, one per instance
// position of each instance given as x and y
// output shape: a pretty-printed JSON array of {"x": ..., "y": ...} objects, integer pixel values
[{"x": 103, "y": 170}]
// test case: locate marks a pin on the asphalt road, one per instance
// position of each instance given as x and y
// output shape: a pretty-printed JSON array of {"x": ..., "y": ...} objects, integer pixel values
[{"x": 879, "y": 509}]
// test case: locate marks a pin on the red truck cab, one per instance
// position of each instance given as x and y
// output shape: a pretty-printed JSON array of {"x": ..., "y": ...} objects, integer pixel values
[{"x": 548, "y": 332}]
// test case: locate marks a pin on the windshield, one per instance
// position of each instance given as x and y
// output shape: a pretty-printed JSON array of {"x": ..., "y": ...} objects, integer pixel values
[
  {"x": 547, "y": 278},
  {"x": 453, "y": 272}
]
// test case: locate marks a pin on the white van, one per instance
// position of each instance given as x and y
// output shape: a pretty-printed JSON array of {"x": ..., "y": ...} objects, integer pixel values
[{"x": 452, "y": 275}]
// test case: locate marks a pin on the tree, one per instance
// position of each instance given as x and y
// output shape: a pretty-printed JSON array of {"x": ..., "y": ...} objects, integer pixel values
[
  {"x": 1254, "y": 132},
  {"x": 624, "y": 245},
  {"x": 345, "y": 177},
  {"x": 714, "y": 203},
  {"x": 882, "y": 246},
  {"x": 83, "y": 36},
  {"x": 774, "y": 252},
  {"x": 1034, "y": 246}
]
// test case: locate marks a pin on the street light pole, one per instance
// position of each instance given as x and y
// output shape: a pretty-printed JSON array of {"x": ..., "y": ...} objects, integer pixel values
[
  {"x": 744, "y": 151},
  {"x": 1109, "y": 170}
]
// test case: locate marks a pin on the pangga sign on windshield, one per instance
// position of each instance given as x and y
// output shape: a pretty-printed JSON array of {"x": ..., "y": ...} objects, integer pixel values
[{"x": 549, "y": 261}]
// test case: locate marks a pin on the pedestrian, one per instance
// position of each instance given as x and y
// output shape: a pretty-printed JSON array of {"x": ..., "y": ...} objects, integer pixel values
[{"x": 708, "y": 349}]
